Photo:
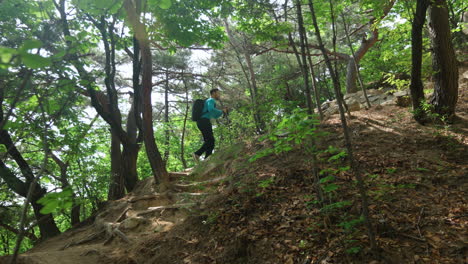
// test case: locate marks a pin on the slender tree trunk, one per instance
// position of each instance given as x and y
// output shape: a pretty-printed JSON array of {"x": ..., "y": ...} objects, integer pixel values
[
  {"x": 253, "y": 80},
  {"x": 353, "y": 164},
  {"x": 249, "y": 74},
  {"x": 116, "y": 183},
  {"x": 444, "y": 62},
  {"x": 340, "y": 94},
  {"x": 182, "y": 140},
  {"x": 314, "y": 83},
  {"x": 416, "y": 86},
  {"x": 166, "y": 118},
  {"x": 304, "y": 68}
]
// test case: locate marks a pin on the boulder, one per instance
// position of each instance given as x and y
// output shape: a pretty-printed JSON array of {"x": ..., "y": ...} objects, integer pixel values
[
  {"x": 353, "y": 104},
  {"x": 401, "y": 93}
]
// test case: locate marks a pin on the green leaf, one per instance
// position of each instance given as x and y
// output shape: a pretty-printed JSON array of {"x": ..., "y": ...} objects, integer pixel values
[
  {"x": 50, "y": 207},
  {"x": 327, "y": 179},
  {"x": 6, "y": 54},
  {"x": 330, "y": 188},
  {"x": 60, "y": 54},
  {"x": 35, "y": 61},
  {"x": 165, "y": 4},
  {"x": 29, "y": 45}
]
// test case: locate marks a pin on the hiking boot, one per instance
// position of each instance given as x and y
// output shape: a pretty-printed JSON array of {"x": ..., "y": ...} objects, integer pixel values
[{"x": 196, "y": 158}]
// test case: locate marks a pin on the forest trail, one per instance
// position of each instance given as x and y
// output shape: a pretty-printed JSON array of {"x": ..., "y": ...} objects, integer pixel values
[
  {"x": 123, "y": 223},
  {"x": 230, "y": 210}
]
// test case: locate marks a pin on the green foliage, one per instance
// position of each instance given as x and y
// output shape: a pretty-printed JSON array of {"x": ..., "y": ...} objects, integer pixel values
[
  {"x": 350, "y": 225},
  {"x": 400, "y": 84},
  {"x": 57, "y": 201},
  {"x": 292, "y": 131},
  {"x": 334, "y": 206},
  {"x": 353, "y": 250}
]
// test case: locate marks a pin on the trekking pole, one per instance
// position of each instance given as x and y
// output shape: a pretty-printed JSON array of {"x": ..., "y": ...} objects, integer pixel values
[{"x": 225, "y": 114}]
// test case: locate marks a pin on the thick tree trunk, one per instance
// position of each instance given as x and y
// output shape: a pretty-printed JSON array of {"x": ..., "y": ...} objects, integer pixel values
[
  {"x": 352, "y": 70},
  {"x": 116, "y": 182},
  {"x": 444, "y": 61},
  {"x": 366, "y": 44},
  {"x": 154, "y": 156},
  {"x": 416, "y": 86},
  {"x": 46, "y": 223},
  {"x": 129, "y": 165},
  {"x": 356, "y": 66}
]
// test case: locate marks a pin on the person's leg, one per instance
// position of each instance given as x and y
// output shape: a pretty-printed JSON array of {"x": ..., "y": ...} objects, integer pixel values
[
  {"x": 204, "y": 125},
  {"x": 210, "y": 142}
]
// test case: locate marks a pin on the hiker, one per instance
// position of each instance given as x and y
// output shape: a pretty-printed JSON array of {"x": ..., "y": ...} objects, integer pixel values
[{"x": 204, "y": 124}]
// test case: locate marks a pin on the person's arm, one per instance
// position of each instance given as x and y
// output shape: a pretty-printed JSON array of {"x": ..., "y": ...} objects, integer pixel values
[{"x": 212, "y": 110}]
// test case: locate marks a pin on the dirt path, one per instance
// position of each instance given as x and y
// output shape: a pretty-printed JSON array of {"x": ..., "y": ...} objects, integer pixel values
[{"x": 122, "y": 224}]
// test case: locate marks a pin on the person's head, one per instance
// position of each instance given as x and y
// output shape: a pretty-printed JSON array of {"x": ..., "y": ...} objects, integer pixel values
[{"x": 215, "y": 93}]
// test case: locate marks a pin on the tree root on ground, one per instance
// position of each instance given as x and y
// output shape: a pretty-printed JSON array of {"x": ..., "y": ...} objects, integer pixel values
[{"x": 109, "y": 230}]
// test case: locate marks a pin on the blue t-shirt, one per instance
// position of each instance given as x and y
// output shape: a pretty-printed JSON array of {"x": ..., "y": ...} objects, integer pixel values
[{"x": 210, "y": 111}]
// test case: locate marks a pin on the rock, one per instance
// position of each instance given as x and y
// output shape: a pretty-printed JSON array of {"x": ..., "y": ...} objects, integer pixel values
[
  {"x": 353, "y": 104},
  {"x": 373, "y": 98},
  {"x": 374, "y": 92},
  {"x": 133, "y": 222},
  {"x": 401, "y": 93},
  {"x": 325, "y": 105},
  {"x": 333, "y": 109},
  {"x": 349, "y": 95},
  {"x": 378, "y": 107}
]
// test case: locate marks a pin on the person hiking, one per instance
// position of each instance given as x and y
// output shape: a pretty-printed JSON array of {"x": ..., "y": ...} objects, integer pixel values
[{"x": 204, "y": 124}]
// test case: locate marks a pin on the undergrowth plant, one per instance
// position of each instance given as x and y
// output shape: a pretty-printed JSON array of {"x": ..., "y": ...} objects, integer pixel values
[
  {"x": 300, "y": 130},
  {"x": 292, "y": 131}
]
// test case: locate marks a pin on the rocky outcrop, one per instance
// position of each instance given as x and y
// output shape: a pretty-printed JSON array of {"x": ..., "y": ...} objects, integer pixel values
[{"x": 357, "y": 101}]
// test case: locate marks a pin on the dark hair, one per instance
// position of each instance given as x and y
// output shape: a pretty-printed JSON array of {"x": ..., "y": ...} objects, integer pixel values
[{"x": 212, "y": 91}]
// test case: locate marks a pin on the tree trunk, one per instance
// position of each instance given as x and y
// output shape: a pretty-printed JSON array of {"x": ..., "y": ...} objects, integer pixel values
[
  {"x": 304, "y": 68},
  {"x": 75, "y": 210},
  {"x": 129, "y": 165},
  {"x": 356, "y": 66},
  {"x": 416, "y": 86},
  {"x": 249, "y": 74},
  {"x": 253, "y": 81},
  {"x": 166, "y": 118},
  {"x": 154, "y": 156},
  {"x": 353, "y": 164},
  {"x": 366, "y": 44},
  {"x": 116, "y": 182},
  {"x": 444, "y": 62},
  {"x": 46, "y": 223},
  {"x": 182, "y": 140}
]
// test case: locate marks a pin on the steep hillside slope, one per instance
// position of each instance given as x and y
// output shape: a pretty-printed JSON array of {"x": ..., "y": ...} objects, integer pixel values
[{"x": 231, "y": 210}]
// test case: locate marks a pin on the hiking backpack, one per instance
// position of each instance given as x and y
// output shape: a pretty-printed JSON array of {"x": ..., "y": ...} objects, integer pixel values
[{"x": 197, "y": 109}]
